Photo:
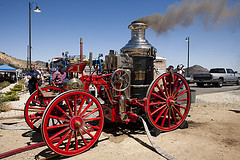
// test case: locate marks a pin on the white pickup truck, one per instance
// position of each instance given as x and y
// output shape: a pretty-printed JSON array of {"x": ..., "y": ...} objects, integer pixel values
[{"x": 216, "y": 76}]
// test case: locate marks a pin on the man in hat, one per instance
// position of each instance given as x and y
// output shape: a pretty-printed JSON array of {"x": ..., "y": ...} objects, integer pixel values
[
  {"x": 33, "y": 76},
  {"x": 59, "y": 76}
]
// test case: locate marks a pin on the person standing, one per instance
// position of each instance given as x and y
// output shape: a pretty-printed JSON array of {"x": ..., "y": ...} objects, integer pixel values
[
  {"x": 180, "y": 70},
  {"x": 59, "y": 76},
  {"x": 25, "y": 84},
  {"x": 33, "y": 76}
]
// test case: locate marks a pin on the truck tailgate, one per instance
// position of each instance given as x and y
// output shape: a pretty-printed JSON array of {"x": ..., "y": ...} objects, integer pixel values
[{"x": 202, "y": 76}]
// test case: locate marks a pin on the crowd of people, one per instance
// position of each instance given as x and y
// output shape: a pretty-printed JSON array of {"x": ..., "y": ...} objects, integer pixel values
[
  {"x": 8, "y": 76},
  {"x": 34, "y": 75}
]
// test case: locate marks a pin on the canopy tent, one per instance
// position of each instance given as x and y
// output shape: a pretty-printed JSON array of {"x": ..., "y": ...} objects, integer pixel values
[{"x": 8, "y": 69}]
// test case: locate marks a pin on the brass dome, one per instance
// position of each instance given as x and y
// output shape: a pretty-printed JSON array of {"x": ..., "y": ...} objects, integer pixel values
[{"x": 74, "y": 84}]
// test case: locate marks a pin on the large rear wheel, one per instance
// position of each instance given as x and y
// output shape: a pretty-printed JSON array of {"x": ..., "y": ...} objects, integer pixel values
[
  {"x": 168, "y": 101},
  {"x": 72, "y": 123}
]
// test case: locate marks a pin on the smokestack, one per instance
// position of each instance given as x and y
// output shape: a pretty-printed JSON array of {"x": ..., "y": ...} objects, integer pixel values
[
  {"x": 81, "y": 50},
  {"x": 138, "y": 45},
  {"x": 213, "y": 13}
]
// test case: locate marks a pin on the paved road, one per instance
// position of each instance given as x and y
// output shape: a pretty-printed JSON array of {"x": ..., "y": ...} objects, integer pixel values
[{"x": 210, "y": 89}]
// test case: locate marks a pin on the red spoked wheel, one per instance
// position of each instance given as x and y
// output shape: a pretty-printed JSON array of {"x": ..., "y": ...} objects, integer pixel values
[
  {"x": 168, "y": 101},
  {"x": 72, "y": 123},
  {"x": 35, "y": 106}
]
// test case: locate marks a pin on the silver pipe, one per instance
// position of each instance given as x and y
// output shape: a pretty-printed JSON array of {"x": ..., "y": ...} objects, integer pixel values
[{"x": 140, "y": 86}]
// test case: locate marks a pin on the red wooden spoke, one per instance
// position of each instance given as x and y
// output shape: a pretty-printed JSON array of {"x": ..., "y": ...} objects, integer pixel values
[
  {"x": 92, "y": 119},
  {"x": 179, "y": 87},
  {"x": 94, "y": 127},
  {"x": 35, "y": 118},
  {"x": 160, "y": 89},
  {"x": 59, "y": 118},
  {"x": 164, "y": 117},
  {"x": 45, "y": 102},
  {"x": 34, "y": 100},
  {"x": 165, "y": 87},
  {"x": 180, "y": 106},
  {"x": 58, "y": 133},
  {"x": 35, "y": 96},
  {"x": 86, "y": 115},
  {"x": 181, "y": 93},
  {"x": 76, "y": 141},
  {"x": 34, "y": 121},
  {"x": 88, "y": 132},
  {"x": 89, "y": 105},
  {"x": 169, "y": 117},
  {"x": 178, "y": 112},
  {"x": 69, "y": 140},
  {"x": 174, "y": 118},
  {"x": 57, "y": 126},
  {"x": 82, "y": 103},
  {"x": 84, "y": 140},
  {"x": 81, "y": 96},
  {"x": 156, "y": 120},
  {"x": 75, "y": 105},
  {"x": 60, "y": 109},
  {"x": 37, "y": 108},
  {"x": 178, "y": 100},
  {"x": 156, "y": 110},
  {"x": 156, "y": 103},
  {"x": 175, "y": 84},
  {"x": 154, "y": 94},
  {"x": 63, "y": 138},
  {"x": 69, "y": 107},
  {"x": 170, "y": 85},
  {"x": 36, "y": 114}
]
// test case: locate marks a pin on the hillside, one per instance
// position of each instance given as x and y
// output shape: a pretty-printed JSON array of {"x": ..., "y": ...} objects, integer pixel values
[{"x": 18, "y": 63}]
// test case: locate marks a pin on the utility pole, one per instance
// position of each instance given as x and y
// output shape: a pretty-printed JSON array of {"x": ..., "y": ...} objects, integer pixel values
[{"x": 188, "y": 40}]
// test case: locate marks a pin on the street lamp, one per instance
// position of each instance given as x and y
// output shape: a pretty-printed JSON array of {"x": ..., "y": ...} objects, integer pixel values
[
  {"x": 35, "y": 10},
  {"x": 188, "y": 40}
]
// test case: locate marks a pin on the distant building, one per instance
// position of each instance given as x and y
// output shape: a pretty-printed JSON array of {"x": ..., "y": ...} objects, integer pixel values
[{"x": 160, "y": 66}]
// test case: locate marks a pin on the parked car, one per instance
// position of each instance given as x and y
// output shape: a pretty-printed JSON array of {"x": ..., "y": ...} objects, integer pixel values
[{"x": 217, "y": 76}]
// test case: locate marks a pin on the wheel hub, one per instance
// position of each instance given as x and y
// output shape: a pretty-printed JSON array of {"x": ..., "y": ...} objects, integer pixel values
[
  {"x": 76, "y": 122},
  {"x": 170, "y": 101}
]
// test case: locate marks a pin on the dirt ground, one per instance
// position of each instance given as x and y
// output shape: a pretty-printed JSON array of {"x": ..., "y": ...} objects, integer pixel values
[{"x": 213, "y": 133}]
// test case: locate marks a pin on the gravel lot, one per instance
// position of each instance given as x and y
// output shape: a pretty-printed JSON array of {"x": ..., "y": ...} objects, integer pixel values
[{"x": 213, "y": 133}]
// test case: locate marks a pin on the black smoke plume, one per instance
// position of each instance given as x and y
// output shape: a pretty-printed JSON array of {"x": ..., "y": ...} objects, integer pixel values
[{"x": 213, "y": 13}]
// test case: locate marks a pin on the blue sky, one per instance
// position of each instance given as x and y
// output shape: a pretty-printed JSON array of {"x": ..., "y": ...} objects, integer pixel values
[{"x": 103, "y": 25}]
